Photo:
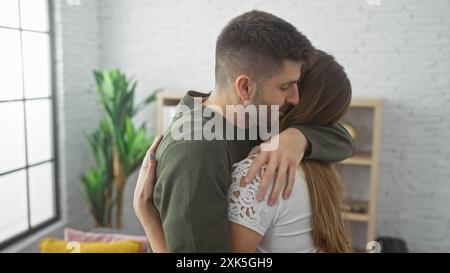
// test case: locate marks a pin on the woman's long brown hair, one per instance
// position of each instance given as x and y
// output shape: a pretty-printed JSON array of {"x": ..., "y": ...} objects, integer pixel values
[{"x": 325, "y": 94}]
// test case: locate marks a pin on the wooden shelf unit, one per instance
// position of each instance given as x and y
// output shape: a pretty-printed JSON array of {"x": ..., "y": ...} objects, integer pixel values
[{"x": 370, "y": 160}]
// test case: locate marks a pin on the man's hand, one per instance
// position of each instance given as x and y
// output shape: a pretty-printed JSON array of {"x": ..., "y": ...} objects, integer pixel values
[{"x": 281, "y": 161}]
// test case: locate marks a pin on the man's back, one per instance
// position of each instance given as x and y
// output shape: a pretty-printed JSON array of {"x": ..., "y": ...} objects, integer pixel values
[{"x": 192, "y": 183}]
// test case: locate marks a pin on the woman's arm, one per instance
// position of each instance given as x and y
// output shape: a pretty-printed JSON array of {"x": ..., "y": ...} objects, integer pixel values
[
  {"x": 244, "y": 240},
  {"x": 143, "y": 201},
  {"x": 152, "y": 225},
  {"x": 249, "y": 219}
]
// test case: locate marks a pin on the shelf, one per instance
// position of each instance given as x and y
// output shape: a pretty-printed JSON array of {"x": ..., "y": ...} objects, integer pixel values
[
  {"x": 356, "y": 217},
  {"x": 169, "y": 98},
  {"x": 170, "y": 102},
  {"x": 171, "y": 95},
  {"x": 357, "y": 211},
  {"x": 362, "y": 159},
  {"x": 359, "y": 250},
  {"x": 366, "y": 102}
]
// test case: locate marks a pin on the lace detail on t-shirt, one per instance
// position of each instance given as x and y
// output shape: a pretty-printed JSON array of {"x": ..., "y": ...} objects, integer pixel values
[{"x": 243, "y": 205}]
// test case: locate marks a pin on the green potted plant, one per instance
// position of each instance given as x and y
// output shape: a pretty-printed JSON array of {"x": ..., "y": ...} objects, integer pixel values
[{"x": 118, "y": 147}]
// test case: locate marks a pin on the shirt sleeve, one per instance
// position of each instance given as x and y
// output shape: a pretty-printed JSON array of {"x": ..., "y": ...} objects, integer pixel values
[
  {"x": 327, "y": 143},
  {"x": 243, "y": 208},
  {"x": 190, "y": 195}
]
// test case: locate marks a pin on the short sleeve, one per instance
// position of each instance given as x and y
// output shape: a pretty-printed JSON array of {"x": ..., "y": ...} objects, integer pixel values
[{"x": 243, "y": 208}]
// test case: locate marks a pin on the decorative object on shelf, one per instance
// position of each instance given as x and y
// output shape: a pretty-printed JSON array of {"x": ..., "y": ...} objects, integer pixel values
[
  {"x": 355, "y": 206},
  {"x": 350, "y": 129}
]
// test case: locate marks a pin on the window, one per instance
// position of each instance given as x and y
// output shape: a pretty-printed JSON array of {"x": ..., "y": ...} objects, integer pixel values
[{"x": 28, "y": 193}]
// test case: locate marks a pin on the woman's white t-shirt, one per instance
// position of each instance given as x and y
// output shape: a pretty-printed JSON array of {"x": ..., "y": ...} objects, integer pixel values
[{"x": 285, "y": 226}]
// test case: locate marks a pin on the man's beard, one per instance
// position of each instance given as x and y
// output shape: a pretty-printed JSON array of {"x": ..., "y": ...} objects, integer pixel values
[{"x": 258, "y": 101}]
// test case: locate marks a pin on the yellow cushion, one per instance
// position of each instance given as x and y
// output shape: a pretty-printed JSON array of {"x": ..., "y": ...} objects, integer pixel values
[{"x": 52, "y": 245}]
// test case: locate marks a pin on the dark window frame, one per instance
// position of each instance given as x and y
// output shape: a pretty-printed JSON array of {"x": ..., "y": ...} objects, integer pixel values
[{"x": 55, "y": 156}]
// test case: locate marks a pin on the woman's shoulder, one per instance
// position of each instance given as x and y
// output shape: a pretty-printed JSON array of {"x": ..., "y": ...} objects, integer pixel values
[
  {"x": 240, "y": 170},
  {"x": 241, "y": 192},
  {"x": 238, "y": 174},
  {"x": 243, "y": 208},
  {"x": 246, "y": 210}
]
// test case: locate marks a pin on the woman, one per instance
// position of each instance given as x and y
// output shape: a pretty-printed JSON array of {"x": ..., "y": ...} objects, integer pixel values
[{"x": 311, "y": 219}]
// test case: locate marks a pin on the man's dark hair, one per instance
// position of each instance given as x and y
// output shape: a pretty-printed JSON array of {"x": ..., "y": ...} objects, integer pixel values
[{"x": 257, "y": 43}]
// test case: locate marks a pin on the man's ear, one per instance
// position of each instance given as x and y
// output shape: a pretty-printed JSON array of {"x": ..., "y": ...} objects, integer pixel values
[{"x": 245, "y": 87}]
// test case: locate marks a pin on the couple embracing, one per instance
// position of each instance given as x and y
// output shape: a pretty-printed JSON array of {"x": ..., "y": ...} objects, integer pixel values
[{"x": 234, "y": 194}]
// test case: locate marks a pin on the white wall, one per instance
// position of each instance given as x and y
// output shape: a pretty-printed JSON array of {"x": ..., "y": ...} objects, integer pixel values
[
  {"x": 398, "y": 50},
  {"x": 77, "y": 31}
]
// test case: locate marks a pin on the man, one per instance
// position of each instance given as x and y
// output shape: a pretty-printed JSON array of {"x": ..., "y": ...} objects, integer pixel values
[{"x": 259, "y": 58}]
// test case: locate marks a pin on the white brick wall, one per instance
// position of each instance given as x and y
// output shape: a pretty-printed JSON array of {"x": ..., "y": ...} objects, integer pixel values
[
  {"x": 398, "y": 50},
  {"x": 77, "y": 31}
]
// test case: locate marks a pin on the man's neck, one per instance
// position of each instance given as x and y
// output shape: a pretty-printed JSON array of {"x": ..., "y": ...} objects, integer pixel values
[
  {"x": 216, "y": 98},
  {"x": 221, "y": 98}
]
